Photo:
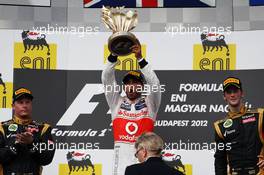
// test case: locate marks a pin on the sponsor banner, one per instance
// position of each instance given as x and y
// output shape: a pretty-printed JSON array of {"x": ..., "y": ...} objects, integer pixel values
[
  {"x": 83, "y": 168},
  {"x": 6, "y": 92},
  {"x": 80, "y": 114},
  {"x": 35, "y": 56},
  {"x": 165, "y": 51},
  {"x": 174, "y": 51},
  {"x": 39, "y": 49},
  {"x": 128, "y": 62},
  {"x": 148, "y": 3},
  {"x": 6, "y": 55},
  {"x": 26, "y": 2},
  {"x": 214, "y": 53},
  {"x": 75, "y": 162},
  {"x": 187, "y": 162},
  {"x": 175, "y": 160},
  {"x": 34, "y": 52},
  {"x": 6, "y": 74}
]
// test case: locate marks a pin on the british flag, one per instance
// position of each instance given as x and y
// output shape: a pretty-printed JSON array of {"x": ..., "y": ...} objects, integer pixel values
[{"x": 148, "y": 3}]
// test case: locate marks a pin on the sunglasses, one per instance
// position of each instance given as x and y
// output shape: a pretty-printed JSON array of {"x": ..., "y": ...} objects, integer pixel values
[{"x": 136, "y": 154}]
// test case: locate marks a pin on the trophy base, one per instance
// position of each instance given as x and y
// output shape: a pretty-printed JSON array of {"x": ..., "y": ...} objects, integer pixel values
[{"x": 120, "y": 43}]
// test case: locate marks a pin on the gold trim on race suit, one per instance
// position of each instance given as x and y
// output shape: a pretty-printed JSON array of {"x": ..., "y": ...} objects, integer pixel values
[
  {"x": 45, "y": 128},
  {"x": 21, "y": 121},
  {"x": 2, "y": 129},
  {"x": 260, "y": 125},
  {"x": 217, "y": 129},
  {"x": 241, "y": 112}
]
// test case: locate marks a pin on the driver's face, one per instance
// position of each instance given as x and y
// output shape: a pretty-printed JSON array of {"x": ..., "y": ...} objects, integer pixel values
[
  {"x": 23, "y": 107},
  {"x": 233, "y": 96},
  {"x": 133, "y": 89}
]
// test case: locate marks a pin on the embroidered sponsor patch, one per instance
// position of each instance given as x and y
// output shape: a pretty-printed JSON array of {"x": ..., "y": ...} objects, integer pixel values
[
  {"x": 248, "y": 120},
  {"x": 228, "y": 123},
  {"x": 12, "y": 127},
  {"x": 140, "y": 105},
  {"x": 229, "y": 132},
  {"x": 247, "y": 116},
  {"x": 126, "y": 106}
]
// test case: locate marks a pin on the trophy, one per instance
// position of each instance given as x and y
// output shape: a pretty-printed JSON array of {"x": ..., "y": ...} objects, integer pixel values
[{"x": 121, "y": 22}]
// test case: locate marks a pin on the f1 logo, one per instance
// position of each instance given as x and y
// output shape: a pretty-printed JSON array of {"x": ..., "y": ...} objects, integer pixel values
[{"x": 81, "y": 104}]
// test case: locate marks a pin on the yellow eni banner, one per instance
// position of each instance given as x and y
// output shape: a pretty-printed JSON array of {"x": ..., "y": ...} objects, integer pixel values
[
  {"x": 6, "y": 93},
  {"x": 125, "y": 62},
  {"x": 34, "y": 52},
  {"x": 187, "y": 170},
  {"x": 35, "y": 58},
  {"x": 80, "y": 169},
  {"x": 214, "y": 54}
]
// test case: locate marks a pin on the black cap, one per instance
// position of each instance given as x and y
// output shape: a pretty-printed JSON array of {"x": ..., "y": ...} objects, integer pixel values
[
  {"x": 22, "y": 93},
  {"x": 133, "y": 75},
  {"x": 232, "y": 82}
]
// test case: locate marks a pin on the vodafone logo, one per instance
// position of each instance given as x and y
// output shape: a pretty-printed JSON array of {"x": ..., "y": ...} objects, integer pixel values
[{"x": 131, "y": 128}]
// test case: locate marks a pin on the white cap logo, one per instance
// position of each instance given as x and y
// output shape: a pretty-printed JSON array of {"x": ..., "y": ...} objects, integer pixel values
[{"x": 131, "y": 128}]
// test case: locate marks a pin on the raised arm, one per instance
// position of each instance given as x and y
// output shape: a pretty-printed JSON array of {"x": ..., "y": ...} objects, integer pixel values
[
  {"x": 154, "y": 96},
  {"x": 109, "y": 82}
]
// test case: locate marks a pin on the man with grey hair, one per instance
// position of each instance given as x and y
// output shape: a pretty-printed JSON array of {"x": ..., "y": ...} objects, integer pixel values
[{"x": 149, "y": 147}]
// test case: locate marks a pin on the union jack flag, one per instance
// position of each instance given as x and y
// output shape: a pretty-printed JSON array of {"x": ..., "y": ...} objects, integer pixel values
[{"x": 148, "y": 3}]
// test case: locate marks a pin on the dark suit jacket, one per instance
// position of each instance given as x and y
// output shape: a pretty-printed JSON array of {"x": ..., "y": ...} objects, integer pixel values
[{"x": 153, "y": 166}]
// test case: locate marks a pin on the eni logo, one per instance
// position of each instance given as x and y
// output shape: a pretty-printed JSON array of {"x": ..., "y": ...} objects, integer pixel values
[
  {"x": 79, "y": 163},
  {"x": 214, "y": 53},
  {"x": 35, "y": 52},
  {"x": 175, "y": 161},
  {"x": 128, "y": 62}
]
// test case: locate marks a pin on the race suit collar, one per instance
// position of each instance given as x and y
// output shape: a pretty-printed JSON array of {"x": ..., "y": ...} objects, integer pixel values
[
  {"x": 242, "y": 111},
  {"x": 134, "y": 102},
  {"x": 20, "y": 121}
]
